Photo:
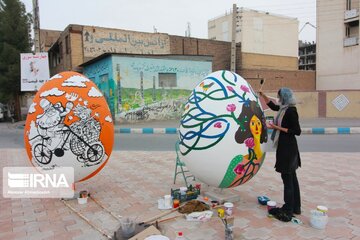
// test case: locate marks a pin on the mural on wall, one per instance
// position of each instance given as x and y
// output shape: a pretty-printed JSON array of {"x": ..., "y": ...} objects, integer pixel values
[
  {"x": 101, "y": 40},
  {"x": 222, "y": 131},
  {"x": 156, "y": 88},
  {"x": 146, "y": 88}
]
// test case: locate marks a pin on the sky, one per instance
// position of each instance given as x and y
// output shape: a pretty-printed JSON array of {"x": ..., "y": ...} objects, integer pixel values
[{"x": 167, "y": 16}]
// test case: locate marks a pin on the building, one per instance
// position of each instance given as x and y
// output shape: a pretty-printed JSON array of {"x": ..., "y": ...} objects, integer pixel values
[
  {"x": 264, "y": 51},
  {"x": 146, "y": 87},
  {"x": 337, "y": 51},
  {"x": 48, "y": 38},
  {"x": 259, "y": 33},
  {"x": 78, "y": 44},
  {"x": 307, "y": 56}
]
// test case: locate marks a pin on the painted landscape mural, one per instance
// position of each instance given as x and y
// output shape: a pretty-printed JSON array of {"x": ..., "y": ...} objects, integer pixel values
[{"x": 141, "y": 88}]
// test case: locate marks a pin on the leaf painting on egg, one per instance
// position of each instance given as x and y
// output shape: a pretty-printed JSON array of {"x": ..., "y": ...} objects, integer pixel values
[
  {"x": 223, "y": 132},
  {"x": 69, "y": 124}
]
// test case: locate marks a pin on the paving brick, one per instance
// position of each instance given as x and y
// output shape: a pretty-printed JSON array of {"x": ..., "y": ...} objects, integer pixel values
[{"x": 126, "y": 192}]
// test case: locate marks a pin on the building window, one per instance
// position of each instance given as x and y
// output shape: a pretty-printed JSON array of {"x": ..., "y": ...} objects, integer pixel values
[
  {"x": 60, "y": 51},
  {"x": 67, "y": 44},
  {"x": 104, "y": 78},
  {"x": 348, "y": 4},
  {"x": 167, "y": 80},
  {"x": 347, "y": 31}
]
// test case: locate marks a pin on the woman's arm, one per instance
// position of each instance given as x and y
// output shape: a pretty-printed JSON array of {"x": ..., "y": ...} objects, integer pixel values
[
  {"x": 293, "y": 126},
  {"x": 271, "y": 105}
]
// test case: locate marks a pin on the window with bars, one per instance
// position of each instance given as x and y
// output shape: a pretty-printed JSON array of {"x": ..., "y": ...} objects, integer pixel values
[{"x": 167, "y": 80}]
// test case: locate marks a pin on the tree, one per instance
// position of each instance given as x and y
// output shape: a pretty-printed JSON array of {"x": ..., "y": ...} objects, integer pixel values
[{"x": 15, "y": 29}]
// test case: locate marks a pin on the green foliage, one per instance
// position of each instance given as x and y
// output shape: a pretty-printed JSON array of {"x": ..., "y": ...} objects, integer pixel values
[
  {"x": 132, "y": 96},
  {"x": 15, "y": 27}
]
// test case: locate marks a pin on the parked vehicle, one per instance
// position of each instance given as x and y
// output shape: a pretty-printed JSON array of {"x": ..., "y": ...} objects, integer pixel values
[{"x": 2, "y": 112}]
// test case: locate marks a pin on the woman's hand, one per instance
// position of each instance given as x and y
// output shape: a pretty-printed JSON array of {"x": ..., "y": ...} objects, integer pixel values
[
  {"x": 261, "y": 94},
  {"x": 271, "y": 125}
]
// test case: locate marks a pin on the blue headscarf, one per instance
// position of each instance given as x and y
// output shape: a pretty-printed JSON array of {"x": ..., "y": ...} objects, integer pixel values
[{"x": 286, "y": 96}]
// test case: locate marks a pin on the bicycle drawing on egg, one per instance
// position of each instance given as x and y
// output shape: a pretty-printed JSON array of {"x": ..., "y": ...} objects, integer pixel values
[{"x": 81, "y": 137}]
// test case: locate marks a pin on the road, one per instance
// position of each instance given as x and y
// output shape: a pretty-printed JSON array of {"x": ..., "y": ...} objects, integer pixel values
[{"x": 13, "y": 138}]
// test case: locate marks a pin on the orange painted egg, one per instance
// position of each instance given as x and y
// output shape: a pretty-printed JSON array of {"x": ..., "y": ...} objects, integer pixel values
[{"x": 69, "y": 124}]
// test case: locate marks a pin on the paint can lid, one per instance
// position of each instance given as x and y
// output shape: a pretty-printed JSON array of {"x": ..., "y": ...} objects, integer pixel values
[{"x": 271, "y": 203}]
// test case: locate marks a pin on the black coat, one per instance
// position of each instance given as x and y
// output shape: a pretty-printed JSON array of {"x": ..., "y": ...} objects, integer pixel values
[{"x": 287, "y": 152}]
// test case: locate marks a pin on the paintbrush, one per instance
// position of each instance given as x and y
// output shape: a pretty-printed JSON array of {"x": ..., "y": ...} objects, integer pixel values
[{"x": 262, "y": 81}]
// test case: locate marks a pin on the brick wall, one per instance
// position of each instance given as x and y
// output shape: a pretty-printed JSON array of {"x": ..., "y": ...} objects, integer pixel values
[
  {"x": 48, "y": 38},
  {"x": 192, "y": 46},
  {"x": 275, "y": 79},
  {"x": 76, "y": 50},
  {"x": 262, "y": 61}
]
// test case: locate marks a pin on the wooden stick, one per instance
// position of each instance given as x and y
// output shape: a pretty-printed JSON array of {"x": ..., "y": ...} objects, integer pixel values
[
  {"x": 170, "y": 218},
  {"x": 106, "y": 209},
  {"x": 163, "y": 220},
  {"x": 161, "y": 215},
  {"x": 86, "y": 220},
  {"x": 158, "y": 216}
]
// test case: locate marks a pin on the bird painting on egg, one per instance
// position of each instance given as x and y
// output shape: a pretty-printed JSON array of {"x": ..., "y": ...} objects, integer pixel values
[{"x": 222, "y": 131}]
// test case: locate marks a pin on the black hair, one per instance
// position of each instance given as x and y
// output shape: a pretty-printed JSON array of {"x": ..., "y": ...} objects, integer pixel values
[{"x": 249, "y": 110}]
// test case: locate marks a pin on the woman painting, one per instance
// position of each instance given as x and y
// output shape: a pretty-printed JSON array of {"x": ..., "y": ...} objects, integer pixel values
[
  {"x": 252, "y": 132},
  {"x": 285, "y": 127}
]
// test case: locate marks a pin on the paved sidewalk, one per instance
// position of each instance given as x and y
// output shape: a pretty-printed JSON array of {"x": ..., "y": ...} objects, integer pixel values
[{"x": 132, "y": 182}]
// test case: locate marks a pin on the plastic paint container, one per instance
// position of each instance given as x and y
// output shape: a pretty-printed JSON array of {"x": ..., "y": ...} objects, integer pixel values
[
  {"x": 167, "y": 201},
  {"x": 176, "y": 203},
  {"x": 221, "y": 213},
  {"x": 322, "y": 209},
  {"x": 271, "y": 205},
  {"x": 228, "y": 208},
  {"x": 82, "y": 200},
  {"x": 318, "y": 220},
  {"x": 128, "y": 225},
  {"x": 183, "y": 190}
]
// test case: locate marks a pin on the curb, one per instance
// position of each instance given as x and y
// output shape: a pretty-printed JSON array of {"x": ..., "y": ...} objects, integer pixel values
[{"x": 339, "y": 130}]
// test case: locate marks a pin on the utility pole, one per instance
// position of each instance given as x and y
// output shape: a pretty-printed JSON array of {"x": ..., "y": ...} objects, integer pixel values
[
  {"x": 36, "y": 26},
  {"x": 233, "y": 39}
]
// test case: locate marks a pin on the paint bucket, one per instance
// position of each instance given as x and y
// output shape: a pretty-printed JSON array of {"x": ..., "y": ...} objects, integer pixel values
[
  {"x": 183, "y": 190},
  {"x": 318, "y": 219},
  {"x": 322, "y": 209},
  {"x": 128, "y": 225},
  {"x": 167, "y": 201},
  {"x": 228, "y": 208},
  {"x": 82, "y": 200},
  {"x": 270, "y": 205}
]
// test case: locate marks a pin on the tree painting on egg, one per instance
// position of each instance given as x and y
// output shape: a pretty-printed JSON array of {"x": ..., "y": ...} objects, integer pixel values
[{"x": 222, "y": 131}]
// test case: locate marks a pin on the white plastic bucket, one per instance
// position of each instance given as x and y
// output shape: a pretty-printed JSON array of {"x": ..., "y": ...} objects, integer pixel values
[
  {"x": 228, "y": 208},
  {"x": 318, "y": 219},
  {"x": 82, "y": 200},
  {"x": 270, "y": 205}
]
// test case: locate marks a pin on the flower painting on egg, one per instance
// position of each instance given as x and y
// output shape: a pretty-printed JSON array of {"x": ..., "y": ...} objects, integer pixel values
[{"x": 223, "y": 132}]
